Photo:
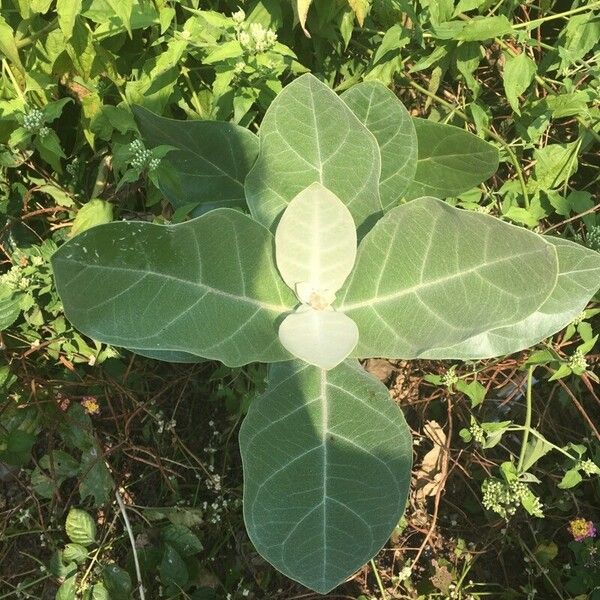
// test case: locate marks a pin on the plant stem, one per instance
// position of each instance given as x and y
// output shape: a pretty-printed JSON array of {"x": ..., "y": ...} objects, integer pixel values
[
  {"x": 34, "y": 36},
  {"x": 379, "y": 582},
  {"x": 489, "y": 132},
  {"x": 568, "y": 13},
  {"x": 527, "y": 425},
  {"x": 136, "y": 562}
]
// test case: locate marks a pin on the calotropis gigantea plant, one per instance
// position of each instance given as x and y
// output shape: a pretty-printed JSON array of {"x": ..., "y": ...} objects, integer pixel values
[{"x": 346, "y": 254}]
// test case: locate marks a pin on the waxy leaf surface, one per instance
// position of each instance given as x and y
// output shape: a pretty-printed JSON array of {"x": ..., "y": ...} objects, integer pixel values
[
  {"x": 210, "y": 163},
  {"x": 327, "y": 459},
  {"x": 429, "y": 275},
  {"x": 578, "y": 280},
  {"x": 386, "y": 118},
  {"x": 315, "y": 241},
  {"x": 207, "y": 287},
  {"x": 323, "y": 338},
  {"x": 309, "y": 134},
  {"x": 450, "y": 162}
]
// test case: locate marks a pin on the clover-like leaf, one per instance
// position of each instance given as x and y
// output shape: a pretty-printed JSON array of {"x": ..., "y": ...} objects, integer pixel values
[
  {"x": 327, "y": 458},
  {"x": 386, "y": 118},
  {"x": 429, "y": 275},
  {"x": 207, "y": 287},
  {"x": 315, "y": 244},
  {"x": 309, "y": 134},
  {"x": 323, "y": 338}
]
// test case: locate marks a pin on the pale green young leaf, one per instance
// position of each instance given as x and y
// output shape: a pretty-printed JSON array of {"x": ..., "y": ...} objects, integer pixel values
[
  {"x": 485, "y": 28},
  {"x": 207, "y": 287},
  {"x": 210, "y": 163},
  {"x": 8, "y": 46},
  {"x": 578, "y": 280},
  {"x": 123, "y": 10},
  {"x": 385, "y": 117},
  {"x": 555, "y": 163},
  {"x": 322, "y": 492},
  {"x": 80, "y": 527},
  {"x": 315, "y": 243},
  {"x": 301, "y": 13},
  {"x": 450, "y": 160},
  {"x": 67, "y": 11},
  {"x": 519, "y": 72},
  {"x": 10, "y": 306},
  {"x": 429, "y": 275},
  {"x": 309, "y": 134},
  {"x": 323, "y": 338},
  {"x": 92, "y": 213},
  {"x": 360, "y": 8}
]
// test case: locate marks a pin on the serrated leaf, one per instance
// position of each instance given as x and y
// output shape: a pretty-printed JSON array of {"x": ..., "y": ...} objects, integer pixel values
[
  {"x": 321, "y": 494},
  {"x": 429, "y": 272},
  {"x": 484, "y": 28},
  {"x": 10, "y": 307},
  {"x": 172, "y": 569},
  {"x": 92, "y": 213},
  {"x": 301, "y": 11},
  {"x": 207, "y": 287},
  {"x": 309, "y": 134},
  {"x": 8, "y": 46},
  {"x": 80, "y": 527},
  {"x": 323, "y": 338},
  {"x": 450, "y": 160},
  {"x": 67, "y": 11},
  {"x": 315, "y": 243},
  {"x": 360, "y": 8},
  {"x": 67, "y": 589},
  {"x": 95, "y": 476},
  {"x": 210, "y": 163},
  {"x": 122, "y": 9},
  {"x": 519, "y": 72},
  {"x": 555, "y": 163},
  {"x": 182, "y": 539},
  {"x": 578, "y": 280},
  {"x": 75, "y": 553},
  {"x": 385, "y": 117},
  {"x": 117, "y": 582}
]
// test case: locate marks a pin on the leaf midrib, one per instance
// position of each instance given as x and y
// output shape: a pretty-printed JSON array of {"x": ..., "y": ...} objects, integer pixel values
[{"x": 201, "y": 286}]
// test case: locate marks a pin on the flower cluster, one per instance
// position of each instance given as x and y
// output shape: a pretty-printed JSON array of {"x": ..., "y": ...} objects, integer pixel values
[
  {"x": 581, "y": 529},
  {"x": 33, "y": 122},
  {"x": 578, "y": 362},
  {"x": 504, "y": 498},
  {"x": 477, "y": 433},
  {"x": 253, "y": 38},
  {"x": 450, "y": 378},
  {"x": 90, "y": 405},
  {"x": 593, "y": 238},
  {"x": 589, "y": 467},
  {"x": 142, "y": 157},
  {"x": 15, "y": 279}
]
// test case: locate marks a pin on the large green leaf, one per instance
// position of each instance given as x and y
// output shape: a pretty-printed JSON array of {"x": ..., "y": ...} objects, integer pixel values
[
  {"x": 429, "y": 275},
  {"x": 309, "y": 134},
  {"x": 210, "y": 163},
  {"x": 578, "y": 280},
  {"x": 327, "y": 459},
  {"x": 451, "y": 160},
  {"x": 387, "y": 119},
  {"x": 207, "y": 287}
]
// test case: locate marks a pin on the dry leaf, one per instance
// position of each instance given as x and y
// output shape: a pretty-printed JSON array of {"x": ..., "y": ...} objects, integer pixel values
[{"x": 429, "y": 474}]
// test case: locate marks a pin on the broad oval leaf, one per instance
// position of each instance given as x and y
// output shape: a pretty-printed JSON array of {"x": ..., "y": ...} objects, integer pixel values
[
  {"x": 210, "y": 163},
  {"x": 326, "y": 458},
  {"x": 208, "y": 287},
  {"x": 323, "y": 338},
  {"x": 429, "y": 275},
  {"x": 386, "y": 118},
  {"x": 451, "y": 160},
  {"x": 315, "y": 241},
  {"x": 309, "y": 134},
  {"x": 578, "y": 281}
]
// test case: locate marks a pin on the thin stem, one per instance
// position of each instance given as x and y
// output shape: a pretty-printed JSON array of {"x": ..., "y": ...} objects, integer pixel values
[
  {"x": 34, "y": 36},
  {"x": 379, "y": 582},
  {"x": 527, "y": 425},
  {"x": 136, "y": 562},
  {"x": 568, "y": 13}
]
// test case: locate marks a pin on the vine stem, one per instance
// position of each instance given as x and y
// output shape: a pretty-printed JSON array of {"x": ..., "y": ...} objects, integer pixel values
[
  {"x": 379, "y": 582},
  {"x": 568, "y": 13},
  {"x": 136, "y": 562},
  {"x": 527, "y": 425}
]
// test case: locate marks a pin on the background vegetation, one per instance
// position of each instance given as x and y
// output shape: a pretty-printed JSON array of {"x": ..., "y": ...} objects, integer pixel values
[{"x": 90, "y": 434}]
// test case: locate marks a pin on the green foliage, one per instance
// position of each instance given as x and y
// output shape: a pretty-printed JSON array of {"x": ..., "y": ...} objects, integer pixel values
[{"x": 429, "y": 280}]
